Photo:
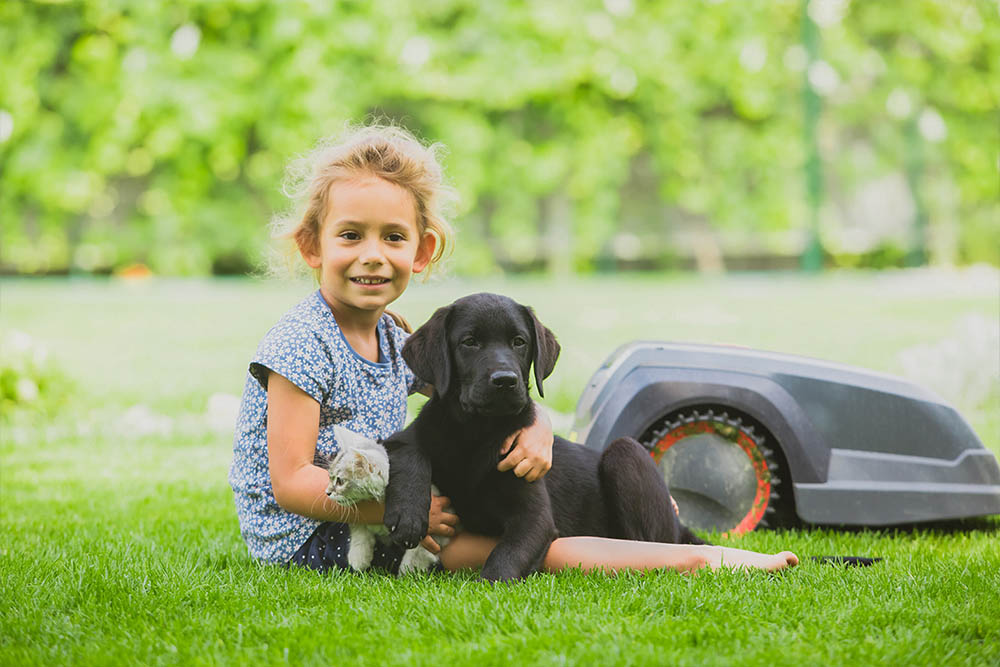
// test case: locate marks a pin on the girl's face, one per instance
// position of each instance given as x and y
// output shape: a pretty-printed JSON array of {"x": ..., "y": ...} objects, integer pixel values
[{"x": 369, "y": 245}]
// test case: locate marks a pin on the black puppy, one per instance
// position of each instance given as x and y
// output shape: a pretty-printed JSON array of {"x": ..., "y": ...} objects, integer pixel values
[{"x": 478, "y": 353}]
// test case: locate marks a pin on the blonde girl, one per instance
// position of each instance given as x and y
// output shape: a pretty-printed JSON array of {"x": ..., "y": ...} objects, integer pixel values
[{"x": 369, "y": 216}]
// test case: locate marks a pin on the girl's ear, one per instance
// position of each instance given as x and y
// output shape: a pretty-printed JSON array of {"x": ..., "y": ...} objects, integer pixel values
[
  {"x": 428, "y": 242},
  {"x": 308, "y": 246}
]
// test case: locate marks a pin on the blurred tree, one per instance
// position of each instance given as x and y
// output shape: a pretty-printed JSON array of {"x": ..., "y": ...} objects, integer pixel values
[{"x": 580, "y": 135}]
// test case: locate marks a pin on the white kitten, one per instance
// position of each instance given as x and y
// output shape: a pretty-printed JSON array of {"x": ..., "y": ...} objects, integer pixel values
[{"x": 360, "y": 471}]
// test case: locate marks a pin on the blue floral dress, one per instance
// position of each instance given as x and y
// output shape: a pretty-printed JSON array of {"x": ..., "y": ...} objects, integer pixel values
[{"x": 308, "y": 348}]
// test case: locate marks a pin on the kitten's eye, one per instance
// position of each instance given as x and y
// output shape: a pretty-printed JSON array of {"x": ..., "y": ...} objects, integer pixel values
[
  {"x": 519, "y": 341},
  {"x": 338, "y": 481}
]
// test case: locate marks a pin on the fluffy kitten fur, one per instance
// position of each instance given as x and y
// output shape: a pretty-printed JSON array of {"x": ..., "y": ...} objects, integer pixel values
[{"x": 360, "y": 471}]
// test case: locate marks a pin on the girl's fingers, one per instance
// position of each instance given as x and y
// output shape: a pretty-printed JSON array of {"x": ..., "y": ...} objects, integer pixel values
[
  {"x": 527, "y": 466},
  {"x": 508, "y": 443},
  {"x": 429, "y": 544},
  {"x": 510, "y": 461},
  {"x": 442, "y": 529}
]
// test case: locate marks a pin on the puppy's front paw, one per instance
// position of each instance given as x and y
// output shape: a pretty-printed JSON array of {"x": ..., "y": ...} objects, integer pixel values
[
  {"x": 498, "y": 575},
  {"x": 406, "y": 529}
]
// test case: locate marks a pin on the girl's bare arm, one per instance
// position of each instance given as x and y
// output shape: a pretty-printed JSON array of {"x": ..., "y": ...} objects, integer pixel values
[{"x": 300, "y": 485}]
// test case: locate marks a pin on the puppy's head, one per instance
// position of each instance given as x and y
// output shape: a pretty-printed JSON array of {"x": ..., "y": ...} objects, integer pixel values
[{"x": 480, "y": 350}]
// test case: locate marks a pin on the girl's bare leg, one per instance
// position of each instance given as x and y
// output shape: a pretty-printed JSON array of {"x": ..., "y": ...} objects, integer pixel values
[
  {"x": 600, "y": 553},
  {"x": 468, "y": 551}
]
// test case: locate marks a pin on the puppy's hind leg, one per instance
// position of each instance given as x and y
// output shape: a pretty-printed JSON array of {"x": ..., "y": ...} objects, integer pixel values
[{"x": 637, "y": 496}]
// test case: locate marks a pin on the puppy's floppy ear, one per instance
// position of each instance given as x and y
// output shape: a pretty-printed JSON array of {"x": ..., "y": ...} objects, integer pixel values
[
  {"x": 426, "y": 351},
  {"x": 546, "y": 350}
]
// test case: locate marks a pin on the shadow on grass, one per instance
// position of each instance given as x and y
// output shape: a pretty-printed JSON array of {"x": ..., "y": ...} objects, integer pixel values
[{"x": 985, "y": 524}]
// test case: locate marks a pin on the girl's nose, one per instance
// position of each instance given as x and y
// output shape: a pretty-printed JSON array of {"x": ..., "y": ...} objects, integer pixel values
[{"x": 371, "y": 253}]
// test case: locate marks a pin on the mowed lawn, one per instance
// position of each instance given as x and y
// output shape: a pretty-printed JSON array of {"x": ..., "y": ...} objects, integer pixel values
[{"x": 119, "y": 542}]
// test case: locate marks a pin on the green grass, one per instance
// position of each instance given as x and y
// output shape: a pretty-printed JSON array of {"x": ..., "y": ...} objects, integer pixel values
[{"x": 119, "y": 542}]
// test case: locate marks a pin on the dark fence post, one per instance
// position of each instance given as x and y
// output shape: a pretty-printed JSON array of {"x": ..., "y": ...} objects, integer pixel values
[{"x": 812, "y": 256}]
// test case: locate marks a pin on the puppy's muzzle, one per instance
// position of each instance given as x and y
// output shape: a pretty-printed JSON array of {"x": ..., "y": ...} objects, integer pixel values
[
  {"x": 500, "y": 392},
  {"x": 504, "y": 379}
]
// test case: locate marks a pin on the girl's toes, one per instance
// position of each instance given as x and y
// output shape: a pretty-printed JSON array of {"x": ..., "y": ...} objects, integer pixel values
[{"x": 790, "y": 559}]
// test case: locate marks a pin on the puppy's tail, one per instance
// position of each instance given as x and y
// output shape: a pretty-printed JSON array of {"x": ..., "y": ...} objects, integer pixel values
[{"x": 687, "y": 536}]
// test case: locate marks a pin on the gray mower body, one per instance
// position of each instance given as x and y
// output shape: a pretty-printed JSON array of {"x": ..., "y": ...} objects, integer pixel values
[{"x": 862, "y": 448}]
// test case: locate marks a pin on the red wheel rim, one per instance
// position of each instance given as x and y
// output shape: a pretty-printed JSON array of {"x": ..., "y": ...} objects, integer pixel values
[{"x": 753, "y": 453}]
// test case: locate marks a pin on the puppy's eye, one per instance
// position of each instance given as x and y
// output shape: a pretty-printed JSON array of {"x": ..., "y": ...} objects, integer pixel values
[
  {"x": 469, "y": 341},
  {"x": 518, "y": 341}
]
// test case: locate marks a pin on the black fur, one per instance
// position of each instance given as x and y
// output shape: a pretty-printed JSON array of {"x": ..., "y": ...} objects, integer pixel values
[{"x": 478, "y": 353}]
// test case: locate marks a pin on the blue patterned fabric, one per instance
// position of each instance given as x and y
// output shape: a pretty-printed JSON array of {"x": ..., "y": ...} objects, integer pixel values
[
  {"x": 308, "y": 348},
  {"x": 326, "y": 549}
]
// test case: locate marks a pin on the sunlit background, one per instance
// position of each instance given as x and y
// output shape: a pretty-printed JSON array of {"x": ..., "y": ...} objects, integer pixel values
[
  {"x": 582, "y": 137},
  {"x": 754, "y": 142}
]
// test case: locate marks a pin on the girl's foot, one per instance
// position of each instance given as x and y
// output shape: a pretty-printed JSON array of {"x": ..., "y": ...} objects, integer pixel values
[{"x": 740, "y": 559}]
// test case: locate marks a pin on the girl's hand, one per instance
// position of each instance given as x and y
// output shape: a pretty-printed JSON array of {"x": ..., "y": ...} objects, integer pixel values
[
  {"x": 441, "y": 521},
  {"x": 529, "y": 451}
]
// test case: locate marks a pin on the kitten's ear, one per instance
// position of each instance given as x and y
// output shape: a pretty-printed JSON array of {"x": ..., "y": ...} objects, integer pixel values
[
  {"x": 426, "y": 351},
  {"x": 348, "y": 439}
]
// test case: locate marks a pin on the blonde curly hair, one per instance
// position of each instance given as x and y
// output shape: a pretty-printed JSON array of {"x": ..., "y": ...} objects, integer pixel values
[{"x": 386, "y": 151}]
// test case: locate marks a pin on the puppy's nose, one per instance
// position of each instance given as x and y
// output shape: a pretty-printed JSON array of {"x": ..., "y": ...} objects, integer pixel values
[{"x": 504, "y": 379}]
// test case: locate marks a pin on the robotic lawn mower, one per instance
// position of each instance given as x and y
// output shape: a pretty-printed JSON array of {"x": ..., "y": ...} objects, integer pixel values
[{"x": 747, "y": 438}]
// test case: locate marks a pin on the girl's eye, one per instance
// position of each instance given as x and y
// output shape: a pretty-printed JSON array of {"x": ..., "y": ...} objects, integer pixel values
[
  {"x": 350, "y": 236},
  {"x": 395, "y": 238},
  {"x": 519, "y": 341}
]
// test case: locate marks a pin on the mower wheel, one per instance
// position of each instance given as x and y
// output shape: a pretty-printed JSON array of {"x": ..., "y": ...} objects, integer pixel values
[{"x": 724, "y": 469}]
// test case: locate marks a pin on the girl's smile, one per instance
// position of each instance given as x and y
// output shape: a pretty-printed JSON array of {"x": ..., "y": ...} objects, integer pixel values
[{"x": 373, "y": 282}]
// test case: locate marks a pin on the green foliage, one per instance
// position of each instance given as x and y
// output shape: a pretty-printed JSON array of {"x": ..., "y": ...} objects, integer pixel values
[
  {"x": 157, "y": 132},
  {"x": 29, "y": 378}
]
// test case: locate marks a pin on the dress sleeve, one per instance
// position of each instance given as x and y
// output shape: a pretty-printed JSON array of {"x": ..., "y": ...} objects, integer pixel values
[{"x": 297, "y": 354}]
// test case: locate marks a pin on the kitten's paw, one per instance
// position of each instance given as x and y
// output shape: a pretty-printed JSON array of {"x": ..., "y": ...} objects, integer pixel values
[
  {"x": 361, "y": 549},
  {"x": 417, "y": 560}
]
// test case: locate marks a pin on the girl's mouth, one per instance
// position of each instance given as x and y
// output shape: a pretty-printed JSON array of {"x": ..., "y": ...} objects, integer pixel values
[{"x": 369, "y": 281}]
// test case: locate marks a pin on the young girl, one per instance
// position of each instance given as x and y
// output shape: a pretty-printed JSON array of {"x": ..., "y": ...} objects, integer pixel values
[{"x": 370, "y": 217}]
